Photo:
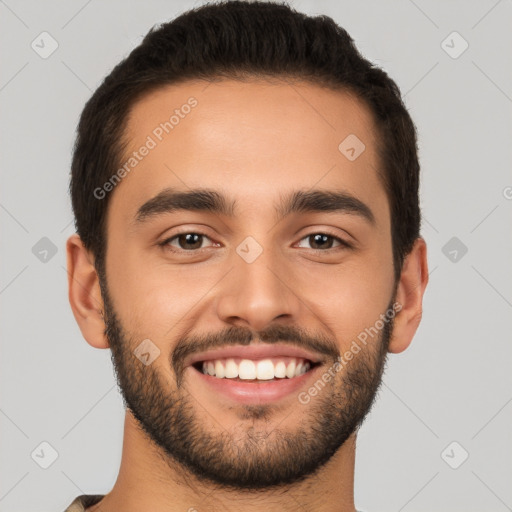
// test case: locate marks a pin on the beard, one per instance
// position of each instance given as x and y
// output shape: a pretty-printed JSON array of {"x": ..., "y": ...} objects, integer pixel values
[{"x": 258, "y": 454}]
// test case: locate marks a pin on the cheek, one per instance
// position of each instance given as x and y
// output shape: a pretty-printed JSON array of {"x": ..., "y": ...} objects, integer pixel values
[
  {"x": 152, "y": 298},
  {"x": 349, "y": 298}
]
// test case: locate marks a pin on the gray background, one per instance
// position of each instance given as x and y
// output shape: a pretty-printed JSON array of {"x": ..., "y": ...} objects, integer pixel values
[{"x": 452, "y": 384}]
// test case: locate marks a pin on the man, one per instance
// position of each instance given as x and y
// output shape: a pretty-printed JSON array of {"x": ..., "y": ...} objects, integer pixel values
[{"x": 245, "y": 187}]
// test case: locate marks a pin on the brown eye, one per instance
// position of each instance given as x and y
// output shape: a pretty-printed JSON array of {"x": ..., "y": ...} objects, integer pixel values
[
  {"x": 324, "y": 241},
  {"x": 320, "y": 241},
  {"x": 186, "y": 241}
]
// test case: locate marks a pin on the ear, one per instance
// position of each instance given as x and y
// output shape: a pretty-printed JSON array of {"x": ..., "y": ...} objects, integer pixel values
[
  {"x": 409, "y": 297},
  {"x": 84, "y": 293}
]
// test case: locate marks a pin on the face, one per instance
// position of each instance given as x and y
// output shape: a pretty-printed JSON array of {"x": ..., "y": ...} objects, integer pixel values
[{"x": 283, "y": 263}]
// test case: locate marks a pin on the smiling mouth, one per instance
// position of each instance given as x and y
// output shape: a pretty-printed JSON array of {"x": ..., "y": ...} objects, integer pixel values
[{"x": 254, "y": 370}]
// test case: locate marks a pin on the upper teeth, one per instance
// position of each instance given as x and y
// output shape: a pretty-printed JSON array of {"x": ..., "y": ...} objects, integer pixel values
[{"x": 263, "y": 369}]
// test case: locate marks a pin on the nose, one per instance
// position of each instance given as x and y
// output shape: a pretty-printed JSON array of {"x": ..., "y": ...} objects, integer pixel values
[{"x": 257, "y": 294}]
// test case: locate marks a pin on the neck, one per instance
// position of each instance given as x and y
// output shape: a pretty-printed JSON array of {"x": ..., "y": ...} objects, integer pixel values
[{"x": 147, "y": 480}]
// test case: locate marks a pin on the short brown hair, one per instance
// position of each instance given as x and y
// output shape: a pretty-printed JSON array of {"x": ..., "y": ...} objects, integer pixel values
[{"x": 239, "y": 40}]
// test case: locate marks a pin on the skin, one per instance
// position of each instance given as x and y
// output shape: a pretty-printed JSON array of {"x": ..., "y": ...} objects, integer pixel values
[{"x": 254, "y": 142}]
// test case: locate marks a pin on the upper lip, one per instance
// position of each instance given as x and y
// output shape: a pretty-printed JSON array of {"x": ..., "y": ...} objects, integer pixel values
[{"x": 255, "y": 351}]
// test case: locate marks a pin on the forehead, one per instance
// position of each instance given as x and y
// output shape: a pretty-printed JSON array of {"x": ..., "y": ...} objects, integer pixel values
[{"x": 254, "y": 140}]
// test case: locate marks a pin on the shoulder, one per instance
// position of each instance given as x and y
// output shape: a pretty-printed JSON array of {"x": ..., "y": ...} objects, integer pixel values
[{"x": 80, "y": 503}]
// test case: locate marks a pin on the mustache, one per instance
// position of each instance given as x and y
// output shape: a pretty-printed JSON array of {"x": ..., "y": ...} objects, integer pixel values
[{"x": 235, "y": 335}]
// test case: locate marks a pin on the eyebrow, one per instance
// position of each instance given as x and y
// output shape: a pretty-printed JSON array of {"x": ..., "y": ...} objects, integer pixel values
[
  {"x": 169, "y": 200},
  {"x": 324, "y": 201},
  {"x": 207, "y": 200}
]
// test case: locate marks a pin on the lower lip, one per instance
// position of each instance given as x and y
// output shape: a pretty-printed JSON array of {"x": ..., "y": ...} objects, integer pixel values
[{"x": 256, "y": 392}]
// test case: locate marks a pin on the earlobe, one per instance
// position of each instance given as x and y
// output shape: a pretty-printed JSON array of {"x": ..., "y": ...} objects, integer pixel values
[
  {"x": 409, "y": 297},
  {"x": 84, "y": 293}
]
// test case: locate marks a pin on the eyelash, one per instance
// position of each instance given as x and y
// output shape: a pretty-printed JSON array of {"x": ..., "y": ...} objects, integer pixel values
[{"x": 166, "y": 243}]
